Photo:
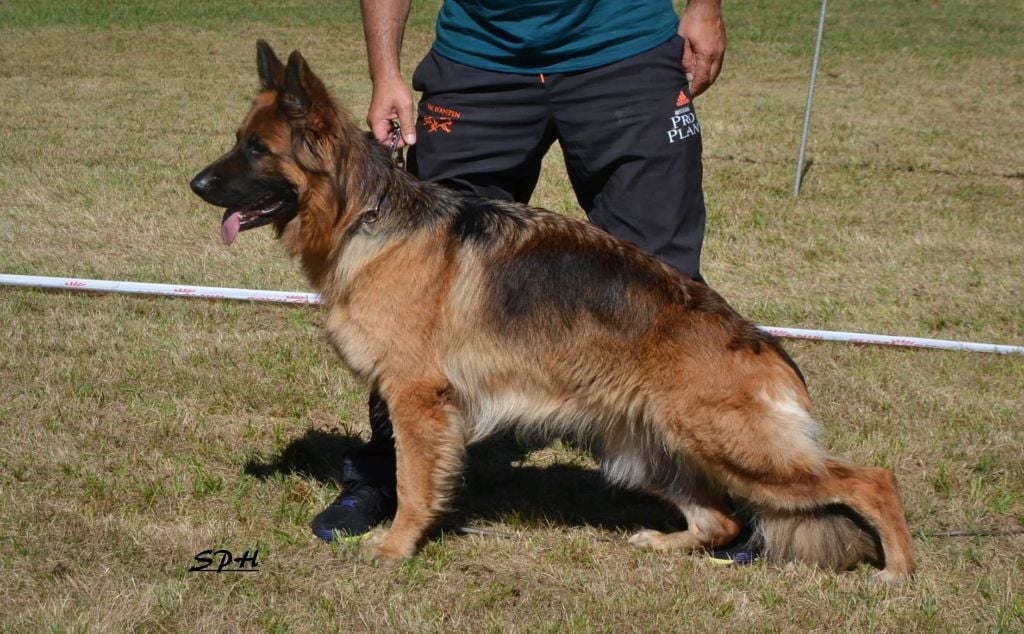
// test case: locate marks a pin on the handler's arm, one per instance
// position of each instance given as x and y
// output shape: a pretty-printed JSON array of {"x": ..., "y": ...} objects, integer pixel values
[
  {"x": 704, "y": 31},
  {"x": 384, "y": 28}
]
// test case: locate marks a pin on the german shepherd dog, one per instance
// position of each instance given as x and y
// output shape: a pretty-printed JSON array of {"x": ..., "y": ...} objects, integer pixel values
[{"x": 470, "y": 316}]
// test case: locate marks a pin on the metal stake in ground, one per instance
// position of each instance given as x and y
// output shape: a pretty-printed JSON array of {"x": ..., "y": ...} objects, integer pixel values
[{"x": 810, "y": 100}]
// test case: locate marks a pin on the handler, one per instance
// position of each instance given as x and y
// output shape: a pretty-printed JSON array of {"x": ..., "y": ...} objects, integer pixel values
[{"x": 611, "y": 81}]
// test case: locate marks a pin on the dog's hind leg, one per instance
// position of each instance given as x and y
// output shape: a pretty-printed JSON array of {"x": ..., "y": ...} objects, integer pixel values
[
  {"x": 872, "y": 493},
  {"x": 429, "y": 446},
  {"x": 764, "y": 449},
  {"x": 639, "y": 460},
  {"x": 709, "y": 525},
  {"x": 795, "y": 523}
]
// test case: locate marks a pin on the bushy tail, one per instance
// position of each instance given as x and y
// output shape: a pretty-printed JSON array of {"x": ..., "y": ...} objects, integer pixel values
[{"x": 831, "y": 537}]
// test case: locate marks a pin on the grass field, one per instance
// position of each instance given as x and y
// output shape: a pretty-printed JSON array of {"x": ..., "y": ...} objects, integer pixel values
[{"x": 138, "y": 432}]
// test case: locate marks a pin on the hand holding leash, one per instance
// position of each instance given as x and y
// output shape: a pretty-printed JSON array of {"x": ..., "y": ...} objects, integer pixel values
[
  {"x": 392, "y": 103},
  {"x": 384, "y": 27},
  {"x": 702, "y": 28}
]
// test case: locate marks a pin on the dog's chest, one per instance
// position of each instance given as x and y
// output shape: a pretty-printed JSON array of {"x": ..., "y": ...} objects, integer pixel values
[{"x": 357, "y": 343}]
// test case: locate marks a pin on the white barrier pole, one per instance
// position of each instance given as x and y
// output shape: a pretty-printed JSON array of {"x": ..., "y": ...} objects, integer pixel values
[
  {"x": 890, "y": 340},
  {"x": 174, "y": 290},
  {"x": 283, "y": 297}
]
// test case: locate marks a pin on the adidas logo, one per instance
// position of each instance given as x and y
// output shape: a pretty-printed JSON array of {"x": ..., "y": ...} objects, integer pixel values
[{"x": 681, "y": 100}]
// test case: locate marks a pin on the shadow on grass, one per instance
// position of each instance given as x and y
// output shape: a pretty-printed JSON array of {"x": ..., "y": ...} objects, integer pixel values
[
  {"x": 493, "y": 490},
  {"x": 316, "y": 454}
]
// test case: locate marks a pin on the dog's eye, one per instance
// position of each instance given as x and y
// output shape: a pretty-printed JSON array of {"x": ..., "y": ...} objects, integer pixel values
[{"x": 256, "y": 147}]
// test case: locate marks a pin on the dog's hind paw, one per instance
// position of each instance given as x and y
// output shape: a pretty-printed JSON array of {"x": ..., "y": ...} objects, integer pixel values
[{"x": 647, "y": 538}]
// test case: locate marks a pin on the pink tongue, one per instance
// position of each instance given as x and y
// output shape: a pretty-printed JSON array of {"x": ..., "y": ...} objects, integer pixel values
[{"x": 229, "y": 228}]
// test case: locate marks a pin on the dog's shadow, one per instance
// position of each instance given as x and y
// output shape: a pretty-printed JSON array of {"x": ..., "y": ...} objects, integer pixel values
[{"x": 495, "y": 491}]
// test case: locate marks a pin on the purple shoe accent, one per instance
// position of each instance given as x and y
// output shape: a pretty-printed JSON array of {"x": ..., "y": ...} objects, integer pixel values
[{"x": 744, "y": 557}]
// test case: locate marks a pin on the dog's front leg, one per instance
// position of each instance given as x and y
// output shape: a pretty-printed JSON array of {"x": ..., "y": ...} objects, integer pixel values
[{"x": 429, "y": 444}]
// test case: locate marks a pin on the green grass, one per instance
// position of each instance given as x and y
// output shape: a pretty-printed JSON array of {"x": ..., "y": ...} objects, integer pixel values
[{"x": 140, "y": 431}]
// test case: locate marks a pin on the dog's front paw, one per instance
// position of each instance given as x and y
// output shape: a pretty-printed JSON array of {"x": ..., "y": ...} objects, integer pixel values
[
  {"x": 886, "y": 578},
  {"x": 383, "y": 547}
]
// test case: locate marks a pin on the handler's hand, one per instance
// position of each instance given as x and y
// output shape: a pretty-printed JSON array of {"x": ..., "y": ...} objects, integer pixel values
[
  {"x": 392, "y": 100},
  {"x": 704, "y": 32}
]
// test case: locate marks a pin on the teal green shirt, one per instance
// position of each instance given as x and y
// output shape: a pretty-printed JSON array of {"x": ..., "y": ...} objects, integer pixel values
[{"x": 550, "y": 36}]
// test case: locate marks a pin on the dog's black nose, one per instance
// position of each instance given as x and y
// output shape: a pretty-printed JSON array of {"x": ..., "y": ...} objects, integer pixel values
[{"x": 203, "y": 183}]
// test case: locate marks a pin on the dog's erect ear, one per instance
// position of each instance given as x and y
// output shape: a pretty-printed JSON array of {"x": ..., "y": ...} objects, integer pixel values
[
  {"x": 294, "y": 98},
  {"x": 302, "y": 92},
  {"x": 270, "y": 67}
]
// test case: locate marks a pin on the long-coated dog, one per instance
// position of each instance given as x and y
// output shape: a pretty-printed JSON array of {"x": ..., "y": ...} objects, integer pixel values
[{"x": 470, "y": 316}]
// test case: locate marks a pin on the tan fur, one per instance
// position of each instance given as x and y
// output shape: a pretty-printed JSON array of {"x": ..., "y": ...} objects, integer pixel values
[{"x": 437, "y": 309}]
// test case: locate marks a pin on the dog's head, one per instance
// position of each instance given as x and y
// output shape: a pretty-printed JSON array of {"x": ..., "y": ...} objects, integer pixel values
[{"x": 282, "y": 150}]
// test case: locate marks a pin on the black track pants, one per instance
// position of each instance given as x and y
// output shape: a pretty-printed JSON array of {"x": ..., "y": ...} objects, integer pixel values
[{"x": 628, "y": 131}]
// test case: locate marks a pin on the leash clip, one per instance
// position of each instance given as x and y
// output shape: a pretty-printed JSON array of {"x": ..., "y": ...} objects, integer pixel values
[
  {"x": 397, "y": 156},
  {"x": 369, "y": 216}
]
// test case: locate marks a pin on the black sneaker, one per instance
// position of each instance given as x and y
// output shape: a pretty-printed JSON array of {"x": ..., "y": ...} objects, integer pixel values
[{"x": 356, "y": 510}]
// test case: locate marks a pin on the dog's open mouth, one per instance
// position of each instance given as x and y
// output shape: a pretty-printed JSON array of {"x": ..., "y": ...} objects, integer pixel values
[{"x": 250, "y": 216}]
